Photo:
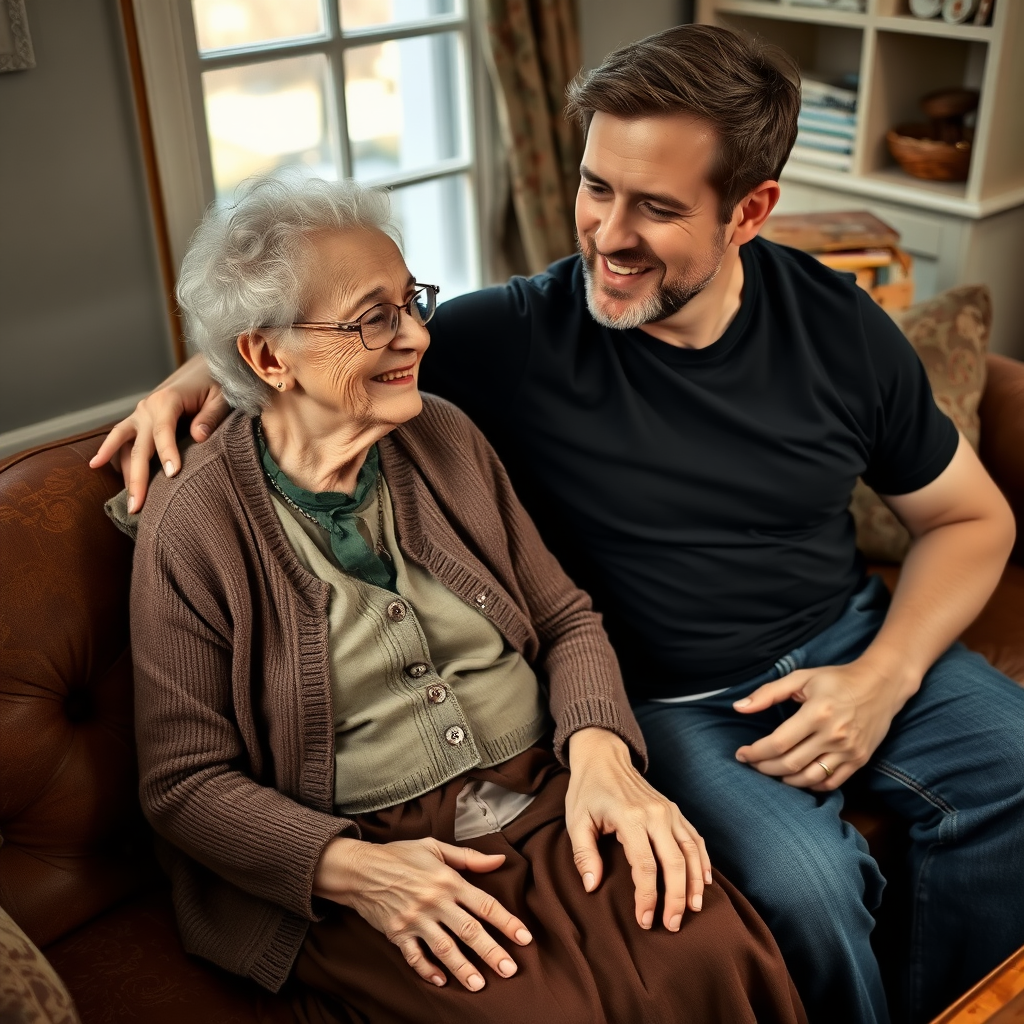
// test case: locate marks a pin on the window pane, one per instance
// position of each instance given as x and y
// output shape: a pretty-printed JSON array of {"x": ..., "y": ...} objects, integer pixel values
[
  {"x": 435, "y": 220},
  {"x": 262, "y": 117},
  {"x": 366, "y": 13},
  {"x": 223, "y": 24},
  {"x": 404, "y": 104}
]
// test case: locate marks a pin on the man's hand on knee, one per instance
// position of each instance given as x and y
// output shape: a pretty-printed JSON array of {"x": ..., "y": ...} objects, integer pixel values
[{"x": 845, "y": 712}]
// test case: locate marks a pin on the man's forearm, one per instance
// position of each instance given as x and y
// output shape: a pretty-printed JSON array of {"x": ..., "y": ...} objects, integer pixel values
[{"x": 947, "y": 577}]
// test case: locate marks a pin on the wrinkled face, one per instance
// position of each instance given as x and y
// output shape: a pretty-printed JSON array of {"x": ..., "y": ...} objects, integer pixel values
[
  {"x": 647, "y": 220},
  {"x": 353, "y": 271}
]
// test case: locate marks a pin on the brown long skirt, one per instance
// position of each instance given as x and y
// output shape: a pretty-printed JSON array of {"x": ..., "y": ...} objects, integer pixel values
[{"x": 589, "y": 962}]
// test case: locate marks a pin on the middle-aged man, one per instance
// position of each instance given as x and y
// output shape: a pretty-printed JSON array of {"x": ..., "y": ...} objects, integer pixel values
[{"x": 684, "y": 409}]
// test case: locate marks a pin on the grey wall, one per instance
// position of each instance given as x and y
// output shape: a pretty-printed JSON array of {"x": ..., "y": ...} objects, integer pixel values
[
  {"x": 607, "y": 24},
  {"x": 82, "y": 319}
]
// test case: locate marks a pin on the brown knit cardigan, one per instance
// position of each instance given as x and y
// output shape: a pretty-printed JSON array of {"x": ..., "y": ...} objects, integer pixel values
[{"x": 233, "y": 694}]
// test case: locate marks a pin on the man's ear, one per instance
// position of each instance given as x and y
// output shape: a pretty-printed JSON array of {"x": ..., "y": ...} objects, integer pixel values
[
  {"x": 264, "y": 357},
  {"x": 752, "y": 210}
]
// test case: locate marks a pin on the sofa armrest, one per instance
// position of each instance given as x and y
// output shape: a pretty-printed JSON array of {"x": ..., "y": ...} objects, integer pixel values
[{"x": 1002, "y": 435}]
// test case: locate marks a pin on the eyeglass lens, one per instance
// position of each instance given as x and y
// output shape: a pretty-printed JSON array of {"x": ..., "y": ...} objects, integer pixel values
[{"x": 379, "y": 325}]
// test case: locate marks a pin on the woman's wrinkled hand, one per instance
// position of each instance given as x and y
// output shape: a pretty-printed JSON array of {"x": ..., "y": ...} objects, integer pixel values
[
  {"x": 413, "y": 893},
  {"x": 608, "y": 795},
  {"x": 151, "y": 427}
]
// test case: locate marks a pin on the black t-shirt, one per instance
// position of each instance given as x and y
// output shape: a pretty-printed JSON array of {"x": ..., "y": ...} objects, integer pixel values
[{"x": 700, "y": 495}]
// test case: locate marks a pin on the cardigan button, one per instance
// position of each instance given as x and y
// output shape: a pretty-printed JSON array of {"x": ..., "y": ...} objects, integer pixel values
[
  {"x": 481, "y": 600},
  {"x": 396, "y": 611},
  {"x": 437, "y": 694},
  {"x": 455, "y": 735},
  {"x": 417, "y": 670}
]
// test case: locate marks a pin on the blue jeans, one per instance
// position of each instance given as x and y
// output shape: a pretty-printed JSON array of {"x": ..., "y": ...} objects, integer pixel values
[{"x": 952, "y": 766}]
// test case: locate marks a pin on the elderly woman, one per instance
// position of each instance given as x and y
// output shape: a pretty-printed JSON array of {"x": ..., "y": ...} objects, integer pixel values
[{"x": 361, "y": 679}]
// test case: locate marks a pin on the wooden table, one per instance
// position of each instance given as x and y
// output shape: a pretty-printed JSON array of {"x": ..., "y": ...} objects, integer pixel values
[{"x": 996, "y": 999}]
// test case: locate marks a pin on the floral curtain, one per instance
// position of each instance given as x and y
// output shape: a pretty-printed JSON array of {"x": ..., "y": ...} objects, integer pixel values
[{"x": 532, "y": 51}]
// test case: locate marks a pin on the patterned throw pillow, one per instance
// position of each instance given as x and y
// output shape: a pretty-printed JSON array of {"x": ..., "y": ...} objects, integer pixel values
[
  {"x": 30, "y": 991},
  {"x": 950, "y": 334}
]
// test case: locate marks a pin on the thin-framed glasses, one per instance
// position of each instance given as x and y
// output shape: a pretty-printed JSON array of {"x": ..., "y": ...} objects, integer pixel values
[{"x": 378, "y": 326}]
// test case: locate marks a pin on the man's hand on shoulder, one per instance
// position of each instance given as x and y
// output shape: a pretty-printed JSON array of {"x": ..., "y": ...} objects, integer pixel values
[
  {"x": 845, "y": 712},
  {"x": 606, "y": 796},
  {"x": 151, "y": 427}
]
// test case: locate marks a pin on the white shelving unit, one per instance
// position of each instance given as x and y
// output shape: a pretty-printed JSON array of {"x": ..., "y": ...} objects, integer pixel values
[{"x": 958, "y": 231}]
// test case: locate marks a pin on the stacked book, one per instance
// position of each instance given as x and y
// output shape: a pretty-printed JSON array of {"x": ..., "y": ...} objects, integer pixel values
[
  {"x": 836, "y": 5},
  {"x": 827, "y": 124},
  {"x": 856, "y": 242}
]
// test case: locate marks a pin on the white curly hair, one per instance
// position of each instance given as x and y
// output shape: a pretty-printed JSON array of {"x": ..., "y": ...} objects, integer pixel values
[{"x": 248, "y": 265}]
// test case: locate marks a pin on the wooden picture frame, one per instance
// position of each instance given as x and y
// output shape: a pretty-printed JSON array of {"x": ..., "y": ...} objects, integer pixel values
[{"x": 16, "y": 52}]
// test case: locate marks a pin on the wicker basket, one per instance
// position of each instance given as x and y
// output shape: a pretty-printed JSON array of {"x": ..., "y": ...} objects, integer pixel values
[{"x": 923, "y": 156}]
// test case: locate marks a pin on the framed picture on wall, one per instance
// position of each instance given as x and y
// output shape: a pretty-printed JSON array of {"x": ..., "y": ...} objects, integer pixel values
[{"x": 15, "y": 45}]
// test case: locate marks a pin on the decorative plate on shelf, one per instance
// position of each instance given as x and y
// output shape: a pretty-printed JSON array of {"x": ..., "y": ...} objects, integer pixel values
[{"x": 958, "y": 11}]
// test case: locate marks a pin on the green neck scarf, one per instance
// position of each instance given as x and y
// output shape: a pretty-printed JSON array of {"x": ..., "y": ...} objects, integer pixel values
[{"x": 335, "y": 512}]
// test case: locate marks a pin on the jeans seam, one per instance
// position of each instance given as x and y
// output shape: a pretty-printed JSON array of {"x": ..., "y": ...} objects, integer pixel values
[
  {"x": 915, "y": 965},
  {"x": 894, "y": 773},
  {"x": 918, "y": 924}
]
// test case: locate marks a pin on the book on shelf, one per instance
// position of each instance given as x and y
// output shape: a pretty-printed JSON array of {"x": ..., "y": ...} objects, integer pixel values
[
  {"x": 827, "y": 122},
  {"x": 828, "y": 115},
  {"x": 817, "y": 91},
  {"x": 822, "y": 158},
  {"x": 824, "y": 141},
  {"x": 809, "y": 120},
  {"x": 854, "y": 242},
  {"x": 836, "y": 5}
]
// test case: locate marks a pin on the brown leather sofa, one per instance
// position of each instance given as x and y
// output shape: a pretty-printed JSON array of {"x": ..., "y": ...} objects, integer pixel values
[{"x": 76, "y": 867}]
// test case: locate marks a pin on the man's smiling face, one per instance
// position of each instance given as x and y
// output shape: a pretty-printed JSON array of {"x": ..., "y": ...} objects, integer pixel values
[{"x": 646, "y": 218}]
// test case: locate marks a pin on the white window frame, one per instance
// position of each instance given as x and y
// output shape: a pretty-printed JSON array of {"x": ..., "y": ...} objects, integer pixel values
[{"x": 172, "y": 69}]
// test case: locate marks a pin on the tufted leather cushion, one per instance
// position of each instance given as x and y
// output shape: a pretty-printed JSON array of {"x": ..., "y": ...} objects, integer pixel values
[
  {"x": 128, "y": 967},
  {"x": 75, "y": 843},
  {"x": 69, "y": 815}
]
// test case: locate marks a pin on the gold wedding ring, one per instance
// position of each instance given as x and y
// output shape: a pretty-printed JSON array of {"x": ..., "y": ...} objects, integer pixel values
[{"x": 825, "y": 768}]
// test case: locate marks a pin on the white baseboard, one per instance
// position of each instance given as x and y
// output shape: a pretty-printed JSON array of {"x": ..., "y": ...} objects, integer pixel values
[{"x": 64, "y": 426}]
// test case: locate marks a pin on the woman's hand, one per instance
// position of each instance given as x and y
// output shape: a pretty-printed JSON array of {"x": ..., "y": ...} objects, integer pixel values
[
  {"x": 413, "y": 894},
  {"x": 152, "y": 427},
  {"x": 607, "y": 794}
]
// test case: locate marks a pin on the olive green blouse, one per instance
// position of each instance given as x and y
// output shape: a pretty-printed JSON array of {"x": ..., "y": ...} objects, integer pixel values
[{"x": 424, "y": 686}]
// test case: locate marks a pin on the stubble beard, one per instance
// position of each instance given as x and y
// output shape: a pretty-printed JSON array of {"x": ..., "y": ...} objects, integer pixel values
[{"x": 668, "y": 298}]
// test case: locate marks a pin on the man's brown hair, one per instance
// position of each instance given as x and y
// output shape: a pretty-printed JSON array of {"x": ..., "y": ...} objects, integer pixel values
[{"x": 748, "y": 91}]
